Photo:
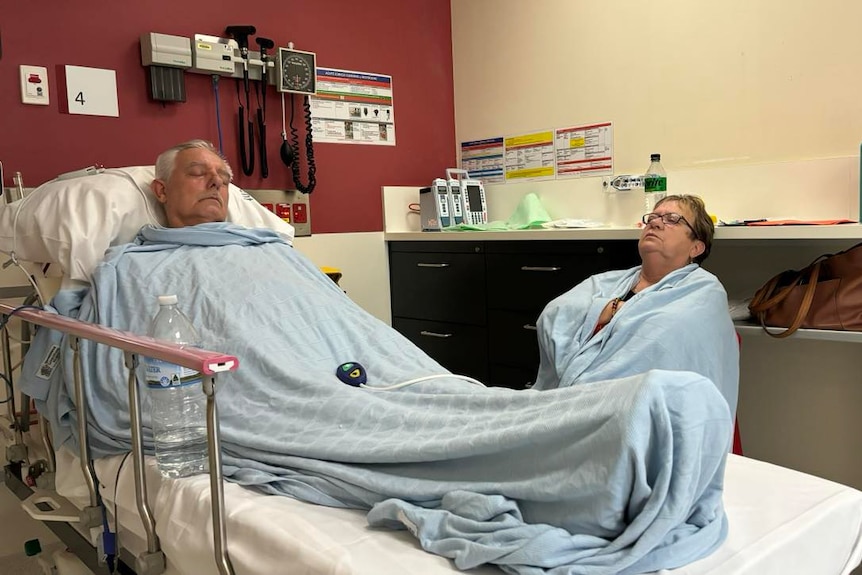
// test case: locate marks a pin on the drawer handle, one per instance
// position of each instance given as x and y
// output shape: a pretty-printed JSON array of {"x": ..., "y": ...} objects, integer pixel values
[
  {"x": 530, "y": 327},
  {"x": 435, "y": 334},
  {"x": 421, "y": 265},
  {"x": 540, "y": 268}
]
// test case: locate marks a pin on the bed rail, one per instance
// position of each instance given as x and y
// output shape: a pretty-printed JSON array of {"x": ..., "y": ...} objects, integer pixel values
[{"x": 209, "y": 363}]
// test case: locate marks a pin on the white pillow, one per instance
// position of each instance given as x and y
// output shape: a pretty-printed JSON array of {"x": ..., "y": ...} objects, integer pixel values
[{"x": 72, "y": 222}]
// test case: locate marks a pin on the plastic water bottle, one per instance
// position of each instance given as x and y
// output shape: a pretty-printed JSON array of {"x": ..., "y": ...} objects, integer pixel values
[
  {"x": 655, "y": 183},
  {"x": 37, "y": 559},
  {"x": 177, "y": 402}
]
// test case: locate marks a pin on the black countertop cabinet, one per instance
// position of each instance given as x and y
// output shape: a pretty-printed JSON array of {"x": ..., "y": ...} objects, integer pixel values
[{"x": 473, "y": 305}]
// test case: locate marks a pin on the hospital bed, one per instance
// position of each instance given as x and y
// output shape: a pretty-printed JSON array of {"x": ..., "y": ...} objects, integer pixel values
[{"x": 781, "y": 521}]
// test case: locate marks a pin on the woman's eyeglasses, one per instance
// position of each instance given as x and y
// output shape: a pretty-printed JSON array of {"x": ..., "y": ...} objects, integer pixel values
[{"x": 669, "y": 219}]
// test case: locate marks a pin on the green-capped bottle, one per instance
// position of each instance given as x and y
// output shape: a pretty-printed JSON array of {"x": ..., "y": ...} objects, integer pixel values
[{"x": 655, "y": 183}]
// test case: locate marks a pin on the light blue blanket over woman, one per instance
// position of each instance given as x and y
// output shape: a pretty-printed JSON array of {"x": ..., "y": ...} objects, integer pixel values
[
  {"x": 680, "y": 323},
  {"x": 619, "y": 476}
]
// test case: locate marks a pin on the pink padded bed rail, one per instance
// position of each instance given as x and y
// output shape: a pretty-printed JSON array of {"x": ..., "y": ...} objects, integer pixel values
[{"x": 207, "y": 362}]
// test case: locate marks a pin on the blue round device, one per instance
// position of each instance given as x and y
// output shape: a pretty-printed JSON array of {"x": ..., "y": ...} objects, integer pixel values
[{"x": 351, "y": 373}]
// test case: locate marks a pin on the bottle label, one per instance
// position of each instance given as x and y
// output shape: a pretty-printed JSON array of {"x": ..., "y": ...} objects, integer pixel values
[
  {"x": 163, "y": 374},
  {"x": 655, "y": 184}
]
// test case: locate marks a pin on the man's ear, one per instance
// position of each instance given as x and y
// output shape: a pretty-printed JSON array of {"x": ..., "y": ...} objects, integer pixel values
[{"x": 158, "y": 188}]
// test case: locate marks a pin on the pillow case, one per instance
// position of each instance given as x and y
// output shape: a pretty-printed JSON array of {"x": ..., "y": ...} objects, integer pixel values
[{"x": 71, "y": 222}]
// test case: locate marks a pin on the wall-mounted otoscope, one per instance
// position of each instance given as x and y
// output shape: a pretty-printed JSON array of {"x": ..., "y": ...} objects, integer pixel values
[
  {"x": 246, "y": 152},
  {"x": 264, "y": 44}
]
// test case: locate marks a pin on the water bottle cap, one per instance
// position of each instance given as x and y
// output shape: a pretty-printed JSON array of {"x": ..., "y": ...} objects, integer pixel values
[
  {"x": 32, "y": 548},
  {"x": 655, "y": 157},
  {"x": 167, "y": 300}
]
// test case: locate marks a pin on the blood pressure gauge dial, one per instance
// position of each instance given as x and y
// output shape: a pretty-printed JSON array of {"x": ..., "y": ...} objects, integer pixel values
[{"x": 297, "y": 71}]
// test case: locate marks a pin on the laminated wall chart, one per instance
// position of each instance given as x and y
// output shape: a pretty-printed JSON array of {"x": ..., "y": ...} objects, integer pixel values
[
  {"x": 484, "y": 159},
  {"x": 353, "y": 108},
  {"x": 572, "y": 152}
]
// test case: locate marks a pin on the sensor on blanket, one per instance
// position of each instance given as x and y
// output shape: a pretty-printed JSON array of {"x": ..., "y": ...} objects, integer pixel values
[{"x": 351, "y": 373}]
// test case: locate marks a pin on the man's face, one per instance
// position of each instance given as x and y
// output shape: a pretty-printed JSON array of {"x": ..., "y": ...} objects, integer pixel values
[{"x": 197, "y": 190}]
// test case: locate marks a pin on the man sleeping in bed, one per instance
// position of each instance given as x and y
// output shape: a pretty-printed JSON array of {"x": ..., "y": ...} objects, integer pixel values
[{"x": 622, "y": 475}]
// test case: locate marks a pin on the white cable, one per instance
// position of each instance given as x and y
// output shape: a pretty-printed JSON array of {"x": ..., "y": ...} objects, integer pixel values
[
  {"x": 144, "y": 194},
  {"x": 14, "y": 260},
  {"x": 283, "y": 119},
  {"x": 420, "y": 379},
  {"x": 18, "y": 339},
  {"x": 20, "y": 204}
]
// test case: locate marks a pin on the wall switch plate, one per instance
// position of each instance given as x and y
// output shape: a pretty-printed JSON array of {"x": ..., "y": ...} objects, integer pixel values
[
  {"x": 290, "y": 205},
  {"x": 34, "y": 85}
]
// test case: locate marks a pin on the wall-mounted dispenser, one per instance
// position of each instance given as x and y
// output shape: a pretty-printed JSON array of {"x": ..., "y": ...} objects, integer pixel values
[{"x": 167, "y": 57}]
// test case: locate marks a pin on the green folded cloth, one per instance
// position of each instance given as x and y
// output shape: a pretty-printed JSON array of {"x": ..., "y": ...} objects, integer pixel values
[{"x": 529, "y": 214}]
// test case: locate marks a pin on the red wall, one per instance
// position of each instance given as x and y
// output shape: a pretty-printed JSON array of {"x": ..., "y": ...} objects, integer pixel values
[{"x": 407, "y": 39}]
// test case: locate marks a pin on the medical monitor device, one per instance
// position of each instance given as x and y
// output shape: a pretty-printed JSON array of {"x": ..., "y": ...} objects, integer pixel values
[
  {"x": 455, "y": 204},
  {"x": 215, "y": 55},
  {"x": 434, "y": 206},
  {"x": 474, "y": 207},
  {"x": 468, "y": 197}
]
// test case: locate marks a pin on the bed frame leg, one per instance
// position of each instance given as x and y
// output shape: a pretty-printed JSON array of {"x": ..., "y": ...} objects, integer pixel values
[
  {"x": 152, "y": 561},
  {"x": 222, "y": 557}
]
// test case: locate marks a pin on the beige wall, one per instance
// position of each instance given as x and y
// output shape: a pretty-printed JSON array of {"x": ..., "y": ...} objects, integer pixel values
[
  {"x": 363, "y": 261},
  {"x": 701, "y": 82},
  {"x": 714, "y": 87}
]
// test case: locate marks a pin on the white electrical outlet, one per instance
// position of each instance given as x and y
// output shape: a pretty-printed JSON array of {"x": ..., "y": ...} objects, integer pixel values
[
  {"x": 34, "y": 85},
  {"x": 623, "y": 183}
]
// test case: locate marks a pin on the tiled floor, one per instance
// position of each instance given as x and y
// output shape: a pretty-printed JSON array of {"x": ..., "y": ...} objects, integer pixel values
[{"x": 17, "y": 527}]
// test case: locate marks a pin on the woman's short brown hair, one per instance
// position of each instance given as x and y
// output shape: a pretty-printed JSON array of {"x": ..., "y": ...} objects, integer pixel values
[{"x": 704, "y": 229}]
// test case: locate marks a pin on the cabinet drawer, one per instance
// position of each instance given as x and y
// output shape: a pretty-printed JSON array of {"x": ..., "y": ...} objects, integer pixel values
[
  {"x": 438, "y": 286},
  {"x": 511, "y": 377},
  {"x": 462, "y": 349},
  {"x": 527, "y": 282},
  {"x": 525, "y": 276},
  {"x": 512, "y": 338}
]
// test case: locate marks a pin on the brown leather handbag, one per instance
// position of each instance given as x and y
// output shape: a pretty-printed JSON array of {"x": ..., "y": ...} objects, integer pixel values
[{"x": 825, "y": 295}]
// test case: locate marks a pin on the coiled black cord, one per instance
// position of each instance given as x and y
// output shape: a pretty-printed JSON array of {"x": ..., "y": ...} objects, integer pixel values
[{"x": 309, "y": 150}]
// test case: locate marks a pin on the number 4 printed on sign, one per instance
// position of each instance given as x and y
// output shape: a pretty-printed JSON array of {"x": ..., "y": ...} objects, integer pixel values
[{"x": 91, "y": 91}]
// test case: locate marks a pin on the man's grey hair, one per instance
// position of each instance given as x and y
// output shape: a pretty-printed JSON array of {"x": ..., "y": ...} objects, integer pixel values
[{"x": 166, "y": 162}]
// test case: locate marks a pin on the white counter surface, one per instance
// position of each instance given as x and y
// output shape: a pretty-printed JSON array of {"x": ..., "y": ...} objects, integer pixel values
[{"x": 837, "y": 232}]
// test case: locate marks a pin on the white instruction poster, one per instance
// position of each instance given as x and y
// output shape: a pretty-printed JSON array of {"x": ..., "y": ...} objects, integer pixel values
[
  {"x": 583, "y": 151},
  {"x": 353, "y": 108},
  {"x": 484, "y": 159},
  {"x": 530, "y": 156}
]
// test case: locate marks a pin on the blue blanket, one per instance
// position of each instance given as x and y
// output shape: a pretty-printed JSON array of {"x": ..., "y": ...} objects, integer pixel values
[
  {"x": 680, "y": 323},
  {"x": 620, "y": 476}
]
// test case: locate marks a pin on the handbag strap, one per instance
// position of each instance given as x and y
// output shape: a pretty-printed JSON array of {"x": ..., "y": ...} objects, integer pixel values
[
  {"x": 804, "y": 306},
  {"x": 767, "y": 298}
]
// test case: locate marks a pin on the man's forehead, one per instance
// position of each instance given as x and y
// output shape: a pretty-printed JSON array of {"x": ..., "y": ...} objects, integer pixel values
[{"x": 200, "y": 157}]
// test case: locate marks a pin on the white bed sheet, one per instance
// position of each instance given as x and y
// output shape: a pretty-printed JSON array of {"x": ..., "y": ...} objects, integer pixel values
[{"x": 781, "y": 522}]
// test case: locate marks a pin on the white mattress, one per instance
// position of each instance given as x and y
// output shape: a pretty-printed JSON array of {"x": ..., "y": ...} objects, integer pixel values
[{"x": 781, "y": 522}]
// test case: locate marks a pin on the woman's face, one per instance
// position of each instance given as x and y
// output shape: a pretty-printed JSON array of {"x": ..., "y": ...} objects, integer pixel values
[{"x": 671, "y": 244}]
